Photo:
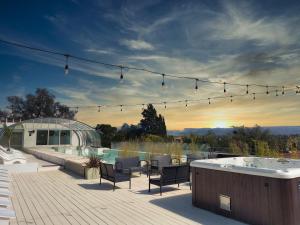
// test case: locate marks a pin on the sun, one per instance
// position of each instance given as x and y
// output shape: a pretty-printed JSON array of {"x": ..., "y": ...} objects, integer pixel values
[{"x": 220, "y": 124}]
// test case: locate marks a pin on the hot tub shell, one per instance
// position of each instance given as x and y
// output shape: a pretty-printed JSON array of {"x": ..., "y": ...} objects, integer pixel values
[{"x": 260, "y": 191}]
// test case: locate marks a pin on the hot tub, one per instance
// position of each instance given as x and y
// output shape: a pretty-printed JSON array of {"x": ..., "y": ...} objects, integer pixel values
[{"x": 263, "y": 191}]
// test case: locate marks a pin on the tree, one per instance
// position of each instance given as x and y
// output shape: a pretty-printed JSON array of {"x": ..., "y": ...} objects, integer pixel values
[
  {"x": 153, "y": 123},
  {"x": 7, "y": 133},
  {"x": 41, "y": 104},
  {"x": 107, "y": 133},
  {"x": 3, "y": 115}
]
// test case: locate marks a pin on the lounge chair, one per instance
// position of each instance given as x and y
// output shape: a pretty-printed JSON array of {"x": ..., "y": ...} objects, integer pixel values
[
  {"x": 157, "y": 162},
  {"x": 4, "y": 184},
  {"x": 129, "y": 164},
  {"x": 5, "y": 202},
  {"x": 108, "y": 172},
  {"x": 7, "y": 213},
  {"x": 4, "y": 222},
  {"x": 171, "y": 175},
  {"x": 5, "y": 192}
]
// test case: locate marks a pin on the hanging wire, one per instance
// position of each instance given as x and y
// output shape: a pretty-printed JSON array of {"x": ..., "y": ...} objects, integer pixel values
[
  {"x": 188, "y": 100},
  {"x": 19, "y": 45}
]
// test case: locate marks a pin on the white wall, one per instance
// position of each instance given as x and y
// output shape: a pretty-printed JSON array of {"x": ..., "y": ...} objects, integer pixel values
[{"x": 30, "y": 141}]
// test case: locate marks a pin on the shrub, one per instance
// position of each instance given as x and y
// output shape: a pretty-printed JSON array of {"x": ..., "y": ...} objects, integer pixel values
[{"x": 94, "y": 161}]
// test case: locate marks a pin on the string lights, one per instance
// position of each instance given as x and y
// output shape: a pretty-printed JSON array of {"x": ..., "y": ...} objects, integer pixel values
[
  {"x": 163, "y": 80},
  {"x": 186, "y": 101},
  {"x": 164, "y": 75},
  {"x": 67, "y": 64},
  {"x": 121, "y": 74},
  {"x": 78, "y": 58},
  {"x": 196, "y": 85},
  {"x": 267, "y": 87}
]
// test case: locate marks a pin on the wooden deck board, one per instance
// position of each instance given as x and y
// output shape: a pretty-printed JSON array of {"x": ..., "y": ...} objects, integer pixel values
[{"x": 56, "y": 197}]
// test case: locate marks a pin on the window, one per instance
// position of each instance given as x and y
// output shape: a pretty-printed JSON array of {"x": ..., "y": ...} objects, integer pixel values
[
  {"x": 65, "y": 137},
  {"x": 53, "y": 137},
  {"x": 42, "y": 137}
]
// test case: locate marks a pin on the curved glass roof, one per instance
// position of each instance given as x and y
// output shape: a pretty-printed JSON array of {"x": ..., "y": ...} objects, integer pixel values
[
  {"x": 88, "y": 135},
  {"x": 70, "y": 124}
]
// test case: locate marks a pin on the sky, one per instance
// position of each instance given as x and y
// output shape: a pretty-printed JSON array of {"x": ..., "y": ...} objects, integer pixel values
[{"x": 226, "y": 41}]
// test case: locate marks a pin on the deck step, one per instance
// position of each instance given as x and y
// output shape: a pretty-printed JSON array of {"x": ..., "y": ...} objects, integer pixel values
[{"x": 53, "y": 167}]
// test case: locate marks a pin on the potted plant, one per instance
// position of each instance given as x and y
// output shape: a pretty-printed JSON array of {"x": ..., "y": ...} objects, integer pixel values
[
  {"x": 8, "y": 132},
  {"x": 91, "y": 170}
]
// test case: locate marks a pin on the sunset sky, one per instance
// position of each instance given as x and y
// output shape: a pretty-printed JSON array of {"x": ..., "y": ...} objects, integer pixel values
[{"x": 227, "y": 41}]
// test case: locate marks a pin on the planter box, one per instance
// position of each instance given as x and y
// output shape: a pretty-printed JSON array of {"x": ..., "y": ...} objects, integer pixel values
[{"x": 91, "y": 173}]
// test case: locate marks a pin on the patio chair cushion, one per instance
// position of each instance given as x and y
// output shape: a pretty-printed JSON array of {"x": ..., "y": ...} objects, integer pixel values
[
  {"x": 126, "y": 164},
  {"x": 163, "y": 160}
]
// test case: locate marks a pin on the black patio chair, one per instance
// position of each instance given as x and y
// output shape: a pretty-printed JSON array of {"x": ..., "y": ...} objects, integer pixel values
[
  {"x": 129, "y": 164},
  {"x": 157, "y": 162},
  {"x": 108, "y": 172},
  {"x": 171, "y": 175}
]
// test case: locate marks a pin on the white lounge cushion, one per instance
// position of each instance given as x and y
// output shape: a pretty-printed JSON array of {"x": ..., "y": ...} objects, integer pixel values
[
  {"x": 4, "y": 184},
  {"x": 4, "y": 179},
  {"x": 5, "y": 202},
  {"x": 4, "y": 222},
  {"x": 7, "y": 213},
  {"x": 4, "y": 192}
]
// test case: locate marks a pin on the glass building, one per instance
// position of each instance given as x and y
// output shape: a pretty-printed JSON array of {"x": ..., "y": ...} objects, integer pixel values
[{"x": 53, "y": 132}]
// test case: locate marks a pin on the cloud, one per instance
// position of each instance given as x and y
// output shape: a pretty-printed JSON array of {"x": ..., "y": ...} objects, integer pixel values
[
  {"x": 137, "y": 44},
  {"x": 100, "y": 51},
  {"x": 241, "y": 22}
]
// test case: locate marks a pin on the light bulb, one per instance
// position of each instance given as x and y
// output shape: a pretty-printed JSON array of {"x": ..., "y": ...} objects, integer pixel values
[{"x": 67, "y": 66}]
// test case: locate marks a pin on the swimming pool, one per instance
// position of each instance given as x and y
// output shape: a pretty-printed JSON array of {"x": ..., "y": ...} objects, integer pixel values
[
  {"x": 109, "y": 155},
  {"x": 106, "y": 154}
]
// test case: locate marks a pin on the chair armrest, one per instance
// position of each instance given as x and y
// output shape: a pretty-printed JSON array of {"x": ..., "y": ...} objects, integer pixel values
[{"x": 118, "y": 166}]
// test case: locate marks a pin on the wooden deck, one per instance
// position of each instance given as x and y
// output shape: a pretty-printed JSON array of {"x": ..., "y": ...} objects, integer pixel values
[{"x": 56, "y": 197}]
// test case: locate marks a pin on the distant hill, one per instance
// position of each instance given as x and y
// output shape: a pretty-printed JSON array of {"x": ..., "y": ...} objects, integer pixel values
[{"x": 277, "y": 130}]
